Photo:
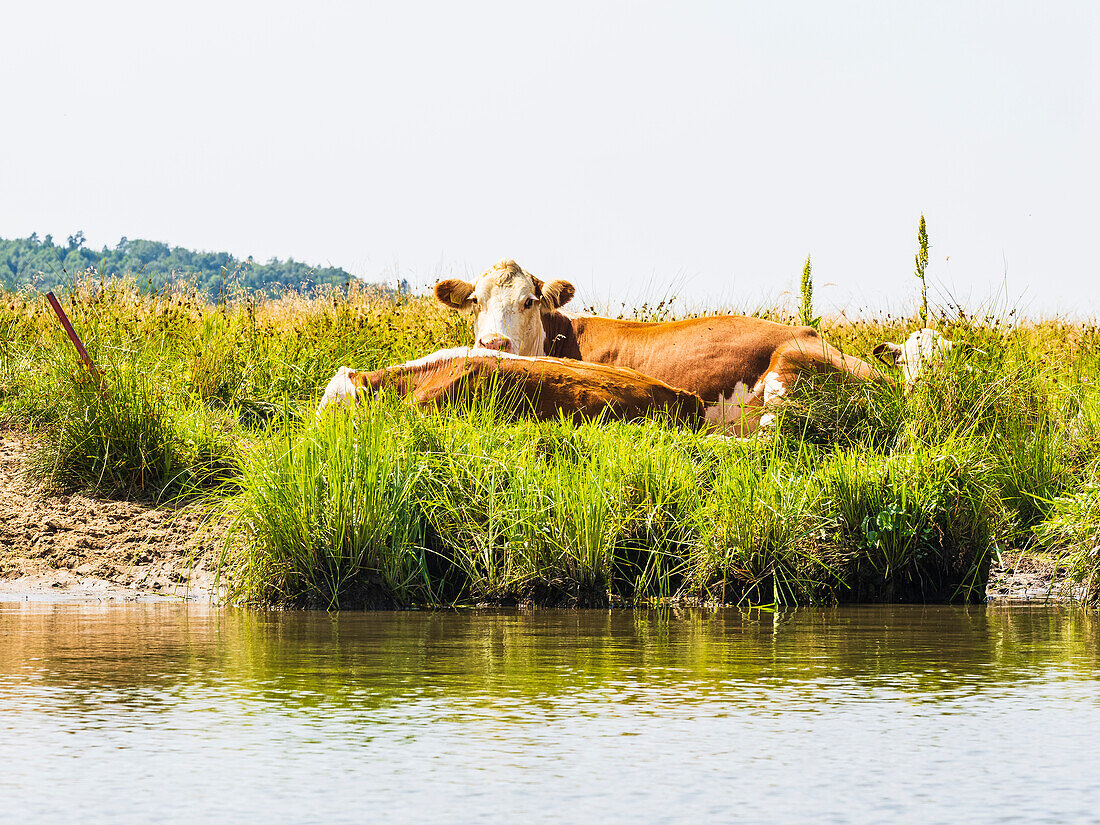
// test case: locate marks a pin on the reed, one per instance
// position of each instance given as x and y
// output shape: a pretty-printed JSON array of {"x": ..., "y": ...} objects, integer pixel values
[
  {"x": 921, "y": 260},
  {"x": 327, "y": 514},
  {"x": 916, "y": 526},
  {"x": 1071, "y": 532},
  {"x": 126, "y": 437},
  {"x": 761, "y": 531},
  {"x": 806, "y": 297}
]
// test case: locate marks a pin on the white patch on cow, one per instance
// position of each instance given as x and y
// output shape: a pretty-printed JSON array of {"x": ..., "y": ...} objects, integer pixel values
[
  {"x": 923, "y": 349},
  {"x": 461, "y": 353},
  {"x": 774, "y": 388},
  {"x": 735, "y": 410},
  {"x": 438, "y": 357},
  {"x": 340, "y": 388},
  {"x": 729, "y": 409},
  {"x": 717, "y": 414},
  {"x": 740, "y": 395}
]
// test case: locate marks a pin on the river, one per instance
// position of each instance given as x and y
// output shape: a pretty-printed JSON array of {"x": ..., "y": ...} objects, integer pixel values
[{"x": 182, "y": 713}]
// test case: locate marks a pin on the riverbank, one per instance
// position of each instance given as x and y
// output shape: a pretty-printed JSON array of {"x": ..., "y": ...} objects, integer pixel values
[
  {"x": 78, "y": 547},
  {"x": 858, "y": 493}
]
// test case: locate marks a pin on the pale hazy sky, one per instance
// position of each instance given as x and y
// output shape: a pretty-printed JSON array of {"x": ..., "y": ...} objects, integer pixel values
[{"x": 633, "y": 148}]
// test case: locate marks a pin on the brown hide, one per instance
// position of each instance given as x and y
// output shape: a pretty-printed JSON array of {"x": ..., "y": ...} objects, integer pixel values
[
  {"x": 708, "y": 356},
  {"x": 543, "y": 387}
]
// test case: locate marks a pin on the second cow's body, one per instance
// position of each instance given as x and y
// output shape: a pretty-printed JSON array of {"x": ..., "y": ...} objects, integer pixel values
[{"x": 547, "y": 388}]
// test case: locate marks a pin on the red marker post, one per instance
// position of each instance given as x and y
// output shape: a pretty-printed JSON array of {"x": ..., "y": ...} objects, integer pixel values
[{"x": 64, "y": 319}]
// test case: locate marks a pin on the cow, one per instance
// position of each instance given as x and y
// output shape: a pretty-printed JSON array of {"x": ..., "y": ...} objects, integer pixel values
[
  {"x": 547, "y": 388},
  {"x": 923, "y": 349},
  {"x": 739, "y": 365}
]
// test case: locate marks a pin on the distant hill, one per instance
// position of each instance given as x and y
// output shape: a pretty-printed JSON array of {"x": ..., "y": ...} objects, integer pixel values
[{"x": 47, "y": 265}]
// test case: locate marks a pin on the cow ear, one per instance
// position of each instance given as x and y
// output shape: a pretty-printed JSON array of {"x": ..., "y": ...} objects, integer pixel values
[
  {"x": 887, "y": 352},
  {"x": 455, "y": 293},
  {"x": 557, "y": 294}
]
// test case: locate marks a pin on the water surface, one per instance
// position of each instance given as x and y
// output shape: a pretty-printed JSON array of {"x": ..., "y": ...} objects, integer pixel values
[{"x": 177, "y": 713}]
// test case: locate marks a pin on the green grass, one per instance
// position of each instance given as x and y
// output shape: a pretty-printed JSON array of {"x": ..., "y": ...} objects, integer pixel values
[
  {"x": 859, "y": 493},
  {"x": 916, "y": 526},
  {"x": 762, "y": 530},
  {"x": 129, "y": 437},
  {"x": 1071, "y": 531},
  {"x": 327, "y": 511}
]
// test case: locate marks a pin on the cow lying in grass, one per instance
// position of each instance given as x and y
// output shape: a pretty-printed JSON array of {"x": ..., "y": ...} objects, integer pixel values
[
  {"x": 547, "y": 388},
  {"x": 551, "y": 388},
  {"x": 740, "y": 365}
]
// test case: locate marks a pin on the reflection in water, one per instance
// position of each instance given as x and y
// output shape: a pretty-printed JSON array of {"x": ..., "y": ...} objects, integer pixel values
[{"x": 177, "y": 713}]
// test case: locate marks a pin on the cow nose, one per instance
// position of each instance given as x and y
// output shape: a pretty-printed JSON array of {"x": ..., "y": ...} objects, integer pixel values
[{"x": 498, "y": 342}]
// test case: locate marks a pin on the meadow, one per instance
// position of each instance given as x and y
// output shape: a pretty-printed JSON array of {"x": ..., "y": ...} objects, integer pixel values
[{"x": 858, "y": 494}]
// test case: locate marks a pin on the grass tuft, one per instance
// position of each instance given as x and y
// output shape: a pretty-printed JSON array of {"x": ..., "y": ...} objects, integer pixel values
[{"x": 328, "y": 515}]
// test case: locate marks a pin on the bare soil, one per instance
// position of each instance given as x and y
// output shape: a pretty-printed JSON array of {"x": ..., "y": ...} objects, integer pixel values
[
  {"x": 75, "y": 546},
  {"x": 1031, "y": 578}
]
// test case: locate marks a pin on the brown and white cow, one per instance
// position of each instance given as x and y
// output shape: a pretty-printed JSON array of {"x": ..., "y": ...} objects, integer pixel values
[
  {"x": 546, "y": 388},
  {"x": 738, "y": 363}
]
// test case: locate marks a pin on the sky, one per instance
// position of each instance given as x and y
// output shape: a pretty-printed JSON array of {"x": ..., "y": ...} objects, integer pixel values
[{"x": 640, "y": 150}]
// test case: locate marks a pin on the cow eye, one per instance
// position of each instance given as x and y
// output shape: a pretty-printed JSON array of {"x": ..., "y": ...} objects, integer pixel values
[
  {"x": 473, "y": 299},
  {"x": 530, "y": 302}
]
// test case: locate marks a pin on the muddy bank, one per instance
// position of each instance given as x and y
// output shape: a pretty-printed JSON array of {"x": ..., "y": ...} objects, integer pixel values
[
  {"x": 1031, "y": 578},
  {"x": 75, "y": 546}
]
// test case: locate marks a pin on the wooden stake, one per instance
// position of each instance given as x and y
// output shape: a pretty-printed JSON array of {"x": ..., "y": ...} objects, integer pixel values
[{"x": 64, "y": 319}]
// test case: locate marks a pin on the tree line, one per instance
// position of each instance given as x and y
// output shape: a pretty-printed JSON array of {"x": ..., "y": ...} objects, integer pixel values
[{"x": 43, "y": 264}]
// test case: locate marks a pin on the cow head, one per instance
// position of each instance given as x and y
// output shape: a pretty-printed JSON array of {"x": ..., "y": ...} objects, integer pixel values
[
  {"x": 924, "y": 348},
  {"x": 507, "y": 303},
  {"x": 342, "y": 389}
]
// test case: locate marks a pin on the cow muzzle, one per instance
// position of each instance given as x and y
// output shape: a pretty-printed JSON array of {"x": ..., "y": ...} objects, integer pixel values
[{"x": 497, "y": 342}]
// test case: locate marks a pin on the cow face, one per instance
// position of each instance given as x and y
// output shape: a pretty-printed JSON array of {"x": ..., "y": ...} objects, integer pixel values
[
  {"x": 507, "y": 303},
  {"x": 924, "y": 348},
  {"x": 343, "y": 388}
]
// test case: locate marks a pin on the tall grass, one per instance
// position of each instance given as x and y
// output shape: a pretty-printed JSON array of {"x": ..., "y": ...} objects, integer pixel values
[
  {"x": 763, "y": 532},
  {"x": 125, "y": 437},
  {"x": 918, "y": 526},
  {"x": 319, "y": 508},
  {"x": 806, "y": 297},
  {"x": 859, "y": 492},
  {"x": 921, "y": 271}
]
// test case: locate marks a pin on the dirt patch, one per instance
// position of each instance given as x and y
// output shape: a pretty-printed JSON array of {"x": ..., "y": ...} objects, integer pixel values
[
  {"x": 1026, "y": 577},
  {"x": 77, "y": 546}
]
